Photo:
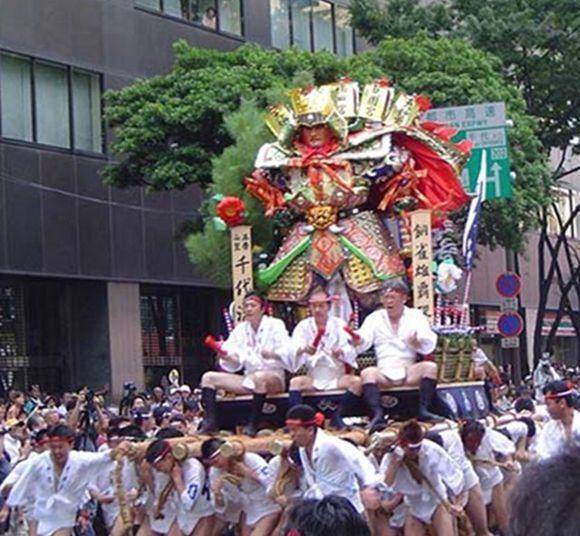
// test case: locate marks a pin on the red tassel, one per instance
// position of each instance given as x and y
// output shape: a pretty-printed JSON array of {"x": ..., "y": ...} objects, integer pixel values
[
  {"x": 211, "y": 342},
  {"x": 355, "y": 336},
  {"x": 465, "y": 146},
  {"x": 319, "y": 419},
  {"x": 318, "y": 338}
]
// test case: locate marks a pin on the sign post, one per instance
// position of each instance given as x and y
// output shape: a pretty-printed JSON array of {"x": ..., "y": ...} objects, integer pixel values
[
  {"x": 485, "y": 125},
  {"x": 510, "y": 323}
]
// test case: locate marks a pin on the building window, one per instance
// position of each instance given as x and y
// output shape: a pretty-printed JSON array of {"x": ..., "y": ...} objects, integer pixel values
[
  {"x": 301, "y": 11},
  {"x": 223, "y": 15},
  {"x": 149, "y": 4},
  {"x": 47, "y": 103},
  {"x": 86, "y": 89},
  {"x": 206, "y": 13},
  {"x": 311, "y": 25},
  {"x": 322, "y": 25},
  {"x": 230, "y": 14},
  {"x": 279, "y": 23},
  {"x": 160, "y": 326},
  {"x": 344, "y": 32},
  {"x": 16, "y": 97},
  {"x": 51, "y": 105}
]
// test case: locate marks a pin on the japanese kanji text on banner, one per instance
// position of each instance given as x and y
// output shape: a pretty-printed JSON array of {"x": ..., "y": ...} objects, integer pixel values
[
  {"x": 421, "y": 261},
  {"x": 242, "y": 275}
]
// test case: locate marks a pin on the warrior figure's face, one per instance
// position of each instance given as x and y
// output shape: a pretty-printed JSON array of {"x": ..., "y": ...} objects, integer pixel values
[{"x": 316, "y": 136}]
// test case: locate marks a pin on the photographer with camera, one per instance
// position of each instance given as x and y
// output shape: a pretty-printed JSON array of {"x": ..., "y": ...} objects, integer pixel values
[{"x": 88, "y": 420}]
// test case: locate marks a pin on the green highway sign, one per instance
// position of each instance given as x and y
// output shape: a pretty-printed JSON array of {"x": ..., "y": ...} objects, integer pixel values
[{"x": 485, "y": 125}]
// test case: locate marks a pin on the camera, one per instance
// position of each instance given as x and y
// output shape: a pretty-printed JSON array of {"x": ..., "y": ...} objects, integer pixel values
[{"x": 129, "y": 386}]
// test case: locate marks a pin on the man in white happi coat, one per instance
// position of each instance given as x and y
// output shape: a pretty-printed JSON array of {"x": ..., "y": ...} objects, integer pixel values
[
  {"x": 483, "y": 446},
  {"x": 57, "y": 482},
  {"x": 102, "y": 489},
  {"x": 330, "y": 465},
  {"x": 39, "y": 442},
  {"x": 325, "y": 349},
  {"x": 431, "y": 482},
  {"x": 473, "y": 502},
  {"x": 563, "y": 428},
  {"x": 239, "y": 487},
  {"x": 181, "y": 501},
  {"x": 399, "y": 334},
  {"x": 260, "y": 347}
]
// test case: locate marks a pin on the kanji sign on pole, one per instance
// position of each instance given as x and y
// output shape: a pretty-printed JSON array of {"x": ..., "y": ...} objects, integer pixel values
[
  {"x": 242, "y": 273},
  {"x": 485, "y": 125},
  {"x": 422, "y": 251}
]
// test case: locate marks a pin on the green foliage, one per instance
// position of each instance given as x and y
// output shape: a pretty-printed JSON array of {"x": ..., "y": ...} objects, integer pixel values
[
  {"x": 185, "y": 127},
  {"x": 536, "y": 41},
  {"x": 168, "y": 128},
  {"x": 209, "y": 250}
]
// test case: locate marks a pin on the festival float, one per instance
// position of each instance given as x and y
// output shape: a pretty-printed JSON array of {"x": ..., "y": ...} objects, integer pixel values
[{"x": 363, "y": 191}]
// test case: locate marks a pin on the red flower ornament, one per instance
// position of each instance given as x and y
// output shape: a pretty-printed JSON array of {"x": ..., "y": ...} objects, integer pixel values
[
  {"x": 423, "y": 102},
  {"x": 231, "y": 210}
]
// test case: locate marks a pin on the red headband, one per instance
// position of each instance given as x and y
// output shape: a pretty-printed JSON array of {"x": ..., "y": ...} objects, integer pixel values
[
  {"x": 55, "y": 440},
  {"x": 328, "y": 299},
  {"x": 555, "y": 396},
  {"x": 258, "y": 299},
  {"x": 318, "y": 420}
]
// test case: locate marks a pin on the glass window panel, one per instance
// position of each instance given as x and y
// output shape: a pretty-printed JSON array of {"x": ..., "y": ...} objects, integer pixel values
[
  {"x": 230, "y": 15},
  {"x": 344, "y": 33},
  {"x": 322, "y": 24},
  {"x": 15, "y": 93},
  {"x": 188, "y": 9},
  {"x": 149, "y": 4},
  {"x": 280, "y": 23},
  {"x": 206, "y": 13},
  {"x": 173, "y": 7},
  {"x": 87, "y": 112},
  {"x": 301, "y": 10},
  {"x": 51, "y": 105}
]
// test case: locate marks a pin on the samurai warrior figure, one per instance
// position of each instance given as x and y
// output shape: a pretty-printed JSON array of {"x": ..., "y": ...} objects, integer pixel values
[{"x": 348, "y": 169}]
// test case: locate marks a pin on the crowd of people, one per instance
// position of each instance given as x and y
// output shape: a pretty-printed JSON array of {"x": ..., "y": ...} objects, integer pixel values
[{"x": 72, "y": 464}]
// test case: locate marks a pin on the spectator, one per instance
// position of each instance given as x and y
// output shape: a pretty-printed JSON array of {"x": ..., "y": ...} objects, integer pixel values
[
  {"x": 16, "y": 408},
  {"x": 209, "y": 18},
  {"x": 546, "y": 502},
  {"x": 14, "y": 440}
]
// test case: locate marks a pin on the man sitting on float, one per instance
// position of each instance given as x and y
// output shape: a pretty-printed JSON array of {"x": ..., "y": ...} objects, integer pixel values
[
  {"x": 260, "y": 347},
  {"x": 324, "y": 348},
  {"x": 399, "y": 334}
]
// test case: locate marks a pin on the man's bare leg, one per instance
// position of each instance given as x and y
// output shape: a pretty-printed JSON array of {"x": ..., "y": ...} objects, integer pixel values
[
  {"x": 204, "y": 526},
  {"x": 498, "y": 505},
  {"x": 32, "y": 527},
  {"x": 265, "y": 382},
  {"x": 372, "y": 383},
  {"x": 443, "y": 521},
  {"x": 144, "y": 527},
  {"x": 414, "y": 527},
  {"x": 210, "y": 383},
  {"x": 476, "y": 511},
  {"x": 265, "y": 526},
  {"x": 63, "y": 532},
  {"x": 424, "y": 375}
]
